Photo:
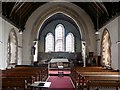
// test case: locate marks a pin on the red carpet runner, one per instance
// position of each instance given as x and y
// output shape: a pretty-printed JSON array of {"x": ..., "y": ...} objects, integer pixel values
[
  {"x": 60, "y": 83},
  {"x": 56, "y": 72}
]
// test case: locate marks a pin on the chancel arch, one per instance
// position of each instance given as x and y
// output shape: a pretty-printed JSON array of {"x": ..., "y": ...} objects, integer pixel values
[
  {"x": 65, "y": 9},
  {"x": 106, "y": 48},
  {"x": 12, "y": 48}
]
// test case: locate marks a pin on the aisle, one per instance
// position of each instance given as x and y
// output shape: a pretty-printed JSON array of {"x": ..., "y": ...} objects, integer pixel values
[{"x": 60, "y": 83}]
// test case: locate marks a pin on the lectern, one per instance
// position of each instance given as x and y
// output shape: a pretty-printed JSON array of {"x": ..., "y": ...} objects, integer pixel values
[{"x": 60, "y": 71}]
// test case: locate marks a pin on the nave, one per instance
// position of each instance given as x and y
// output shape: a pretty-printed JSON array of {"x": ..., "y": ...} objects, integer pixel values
[
  {"x": 78, "y": 78},
  {"x": 36, "y": 37}
]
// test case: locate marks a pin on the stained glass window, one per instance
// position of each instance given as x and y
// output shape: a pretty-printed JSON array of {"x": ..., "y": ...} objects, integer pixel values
[
  {"x": 59, "y": 38},
  {"x": 69, "y": 42},
  {"x": 49, "y": 43},
  {"x": 57, "y": 43}
]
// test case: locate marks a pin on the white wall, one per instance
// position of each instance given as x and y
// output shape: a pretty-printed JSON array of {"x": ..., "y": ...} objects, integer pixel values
[
  {"x": 20, "y": 49},
  {"x": 5, "y": 28},
  {"x": 119, "y": 43},
  {"x": 113, "y": 30},
  {"x": 1, "y": 45}
]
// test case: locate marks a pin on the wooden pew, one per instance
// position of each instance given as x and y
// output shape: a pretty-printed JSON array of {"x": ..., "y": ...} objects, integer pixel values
[
  {"x": 93, "y": 73},
  {"x": 14, "y": 85},
  {"x": 28, "y": 80},
  {"x": 83, "y": 80},
  {"x": 17, "y": 80},
  {"x": 98, "y": 73},
  {"x": 92, "y": 69},
  {"x": 43, "y": 71},
  {"x": 103, "y": 83},
  {"x": 21, "y": 74},
  {"x": 75, "y": 78}
]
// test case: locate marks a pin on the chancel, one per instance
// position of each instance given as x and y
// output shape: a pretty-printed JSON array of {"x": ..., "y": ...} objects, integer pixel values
[{"x": 63, "y": 45}]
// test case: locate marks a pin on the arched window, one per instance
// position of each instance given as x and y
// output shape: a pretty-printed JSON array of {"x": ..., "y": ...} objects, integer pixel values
[
  {"x": 58, "y": 45},
  {"x": 106, "y": 48},
  {"x": 49, "y": 42},
  {"x": 59, "y": 38},
  {"x": 69, "y": 42},
  {"x": 12, "y": 48}
]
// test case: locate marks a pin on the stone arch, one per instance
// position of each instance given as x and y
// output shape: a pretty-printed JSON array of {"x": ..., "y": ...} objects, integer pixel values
[
  {"x": 59, "y": 8},
  {"x": 77, "y": 14}
]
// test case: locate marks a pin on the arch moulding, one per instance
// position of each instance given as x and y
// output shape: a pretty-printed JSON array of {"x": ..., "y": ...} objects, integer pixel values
[{"x": 66, "y": 10}]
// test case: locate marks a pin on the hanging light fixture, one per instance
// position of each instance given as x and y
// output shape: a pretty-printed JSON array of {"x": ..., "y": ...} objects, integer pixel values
[
  {"x": 97, "y": 27},
  {"x": 97, "y": 32},
  {"x": 20, "y": 32}
]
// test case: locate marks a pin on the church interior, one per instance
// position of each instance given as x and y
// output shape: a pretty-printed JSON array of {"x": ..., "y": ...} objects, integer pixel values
[{"x": 59, "y": 45}]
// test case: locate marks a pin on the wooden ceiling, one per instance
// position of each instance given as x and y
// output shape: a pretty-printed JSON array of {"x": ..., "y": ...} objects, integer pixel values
[{"x": 100, "y": 12}]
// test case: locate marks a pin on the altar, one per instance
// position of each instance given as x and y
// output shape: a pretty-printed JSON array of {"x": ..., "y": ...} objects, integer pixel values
[{"x": 54, "y": 63}]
